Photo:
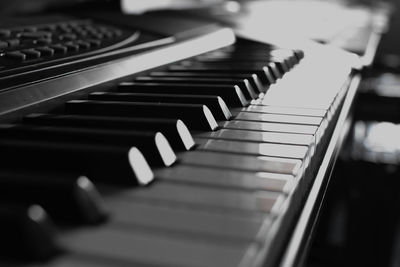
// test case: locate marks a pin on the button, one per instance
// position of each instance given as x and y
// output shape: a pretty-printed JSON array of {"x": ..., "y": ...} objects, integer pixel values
[
  {"x": 59, "y": 49},
  {"x": 3, "y": 44},
  {"x": 31, "y": 53},
  {"x": 4, "y": 33},
  {"x": 16, "y": 55},
  {"x": 45, "y": 51},
  {"x": 44, "y": 41},
  {"x": 94, "y": 42},
  {"x": 13, "y": 42},
  {"x": 35, "y": 35},
  {"x": 83, "y": 44},
  {"x": 68, "y": 37},
  {"x": 72, "y": 47}
]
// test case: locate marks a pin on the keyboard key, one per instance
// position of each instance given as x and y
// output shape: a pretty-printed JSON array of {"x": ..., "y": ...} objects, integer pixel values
[
  {"x": 26, "y": 233},
  {"x": 214, "y": 103},
  {"x": 111, "y": 164},
  {"x": 263, "y": 73},
  {"x": 194, "y": 115},
  {"x": 67, "y": 198},
  {"x": 45, "y": 51},
  {"x": 16, "y": 56},
  {"x": 154, "y": 145},
  {"x": 175, "y": 130},
  {"x": 242, "y": 162},
  {"x": 153, "y": 249},
  {"x": 225, "y": 178},
  {"x": 31, "y": 53},
  {"x": 255, "y": 149},
  {"x": 59, "y": 49},
  {"x": 279, "y": 118},
  {"x": 243, "y": 84},
  {"x": 271, "y": 127},
  {"x": 203, "y": 224},
  {"x": 260, "y": 137},
  {"x": 218, "y": 199},
  {"x": 232, "y": 95},
  {"x": 252, "y": 78}
]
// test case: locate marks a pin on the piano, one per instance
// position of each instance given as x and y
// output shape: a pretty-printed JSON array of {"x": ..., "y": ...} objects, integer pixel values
[{"x": 166, "y": 139}]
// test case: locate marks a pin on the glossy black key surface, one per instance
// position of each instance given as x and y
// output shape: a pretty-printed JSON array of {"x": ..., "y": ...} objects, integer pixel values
[
  {"x": 111, "y": 164},
  {"x": 67, "y": 198},
  {"x": 252, "y": 78},
  {"x": 231, "y": 94},
  {"x": 243, "y": 84},
  {"x": 26, "y": 233},
  {"x": 176, "y": 131},
  {"x": 153, "y": 145},
  {"x": 215, "y": 103},
  {"x": 196, "y": 116},
  {"x": 263, "y": 73}
]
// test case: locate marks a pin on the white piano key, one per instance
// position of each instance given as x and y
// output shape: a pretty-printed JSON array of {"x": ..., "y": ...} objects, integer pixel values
[
  {"x": 255, "y": 107},
  {"x": 227, "y": 178},
  {"x": 279, "y": 118},
  {"x": 142, "y": 247},
  {"x": 260, "y": 137},
  {"x": 256, "y": 149},
  {"x": 271, "y": 127},
  {"x": 224, "y": 200},
  {"x": 197, "y": 223},
  {"x": 243, "y": 162}
]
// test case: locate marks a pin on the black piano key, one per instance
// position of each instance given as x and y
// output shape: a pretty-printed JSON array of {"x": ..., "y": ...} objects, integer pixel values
[
  {"x": 264, "y": 73},
  {"x": 215, "y": 103},
  {"x": 27, "y": 233},
  {"x": 243, "y": 84},
  {"x": 67, "y": 198},
  {"x": 231, "y": 94},
  {"x": 271, "y": 66},
  {"x": 281, "y": 65},
  {"x": 153, "y": 145},
  {"x": 111, "y": 164},
  {"x": 252, "y": 78},
  {"x": 175, "y": 130},
  {"x": 196, "y": 116}
]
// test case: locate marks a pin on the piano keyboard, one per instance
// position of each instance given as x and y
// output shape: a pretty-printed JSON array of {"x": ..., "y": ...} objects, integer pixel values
[{"x": 203, "y": 162}]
